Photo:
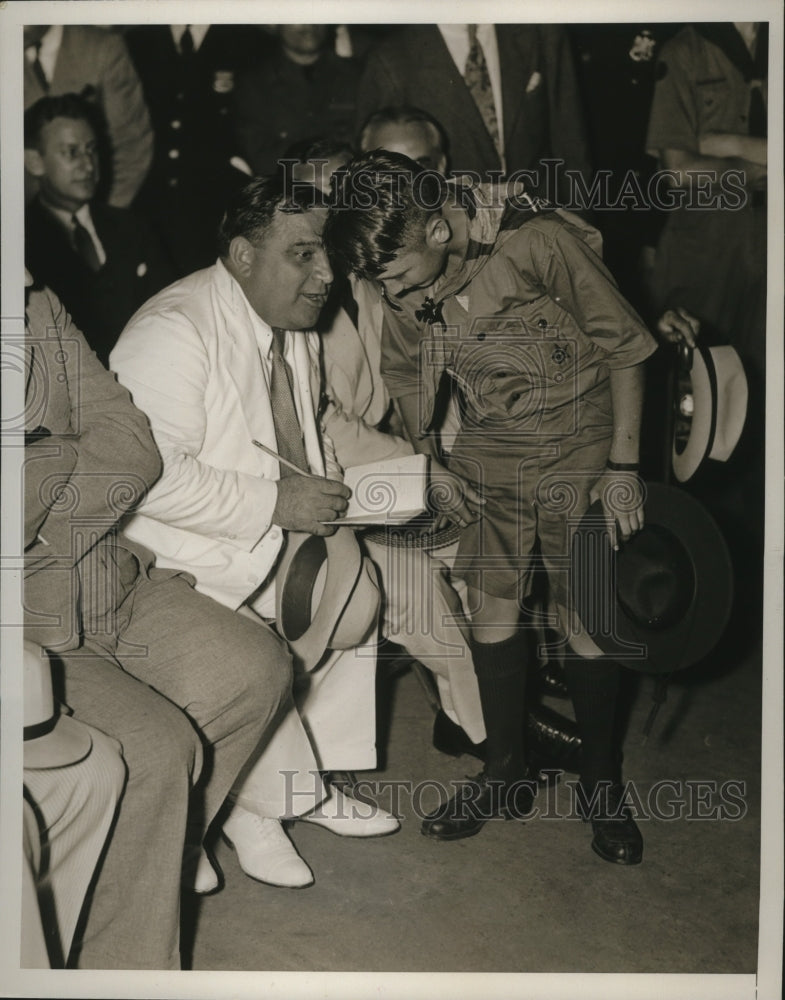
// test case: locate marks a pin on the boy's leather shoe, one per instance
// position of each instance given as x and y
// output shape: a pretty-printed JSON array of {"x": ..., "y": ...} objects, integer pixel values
[
  {"x": 475, "y": 802},
  {"x": 616, "y": 836}
]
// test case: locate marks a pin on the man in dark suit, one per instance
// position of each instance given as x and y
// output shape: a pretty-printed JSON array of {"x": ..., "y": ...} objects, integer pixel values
[
  {"x": 102, "y": 261},
  {"x": 504, "y": 94},
  {"x": 304, "y": 89},
  {"x": 189, "y": 73}
]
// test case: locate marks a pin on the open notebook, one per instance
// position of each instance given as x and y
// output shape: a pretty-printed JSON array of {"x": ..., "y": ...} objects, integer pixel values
[{"x": 389, "y": 492}]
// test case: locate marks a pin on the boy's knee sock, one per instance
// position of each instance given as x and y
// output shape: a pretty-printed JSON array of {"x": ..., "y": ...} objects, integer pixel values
[
  {"x": 593, "y": 686},
  {"x": 501, "y": 678}
]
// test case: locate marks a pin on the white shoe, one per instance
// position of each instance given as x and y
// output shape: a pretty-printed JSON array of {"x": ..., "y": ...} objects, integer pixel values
[
  {"x": 264, "y": 851},
  {"x": 199, "y": 874},
  {"x": 348, "y": 817}
]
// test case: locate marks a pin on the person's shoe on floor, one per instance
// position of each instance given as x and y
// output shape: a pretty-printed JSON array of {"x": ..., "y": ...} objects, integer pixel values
[
  {"x": 264, "y": 851},
  {"x": 617, "y": 838},
  {"x": 340, "y": 813},
  {"x": 200, "y": 874},
  {"x": 475, "y": 802}
]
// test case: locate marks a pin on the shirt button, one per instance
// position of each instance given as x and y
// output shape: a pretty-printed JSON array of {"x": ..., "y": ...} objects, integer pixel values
[
  {"x": 275, "y": 533},
  {"x": 173, "y": 154},
  {"x": 558, "y": 377},
  {"x": 176, "y": 123},
  {"x": 542, "y": 323},
  {"x": 481, "y": 336}
]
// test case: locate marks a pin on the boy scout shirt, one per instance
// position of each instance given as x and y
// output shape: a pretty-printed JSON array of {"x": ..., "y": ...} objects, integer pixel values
[{"x": 532, "y": 322}]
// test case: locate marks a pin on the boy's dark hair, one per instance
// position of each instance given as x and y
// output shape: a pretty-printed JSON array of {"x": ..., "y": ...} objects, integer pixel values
[
  {"x": 380, "y": 203},
  {"x": 251, "y": 210},
  {"x": 402, "y": 114},
  {"x": 47, "y": 109}
]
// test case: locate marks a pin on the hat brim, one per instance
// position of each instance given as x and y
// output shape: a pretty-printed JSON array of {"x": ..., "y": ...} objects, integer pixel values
[
  {"x": 719, "y": 398},
  {"x": 418, "y": 533},
  {"x": 614, "y": 631},
  {"x": 68, "y": 743},
  {"x": 326, "y": 594}
]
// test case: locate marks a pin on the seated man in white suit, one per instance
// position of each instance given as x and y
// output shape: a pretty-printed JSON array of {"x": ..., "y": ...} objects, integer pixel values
[{"x": 200, "y": 359}]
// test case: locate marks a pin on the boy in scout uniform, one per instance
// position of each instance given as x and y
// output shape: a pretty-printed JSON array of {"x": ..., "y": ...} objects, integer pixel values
[{"x": 510, "y": 299}]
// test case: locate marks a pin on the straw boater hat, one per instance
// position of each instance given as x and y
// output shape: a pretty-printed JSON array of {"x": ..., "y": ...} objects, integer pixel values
[
  {"x": 661, "y": 602},
  {"x": 327, "y": 596},
  {"x": 710, "y": 405},
  {"x": 50, "y": 738}
]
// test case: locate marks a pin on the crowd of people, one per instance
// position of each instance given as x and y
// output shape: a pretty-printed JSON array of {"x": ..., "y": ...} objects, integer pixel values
[{"x": 258, "y": 256}]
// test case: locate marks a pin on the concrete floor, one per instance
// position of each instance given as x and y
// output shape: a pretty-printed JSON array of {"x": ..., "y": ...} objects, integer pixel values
[{"x": 533, "y": 897}]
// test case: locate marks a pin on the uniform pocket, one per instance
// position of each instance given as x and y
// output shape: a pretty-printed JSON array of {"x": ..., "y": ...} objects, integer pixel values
[{"x": 713, "y": 98}]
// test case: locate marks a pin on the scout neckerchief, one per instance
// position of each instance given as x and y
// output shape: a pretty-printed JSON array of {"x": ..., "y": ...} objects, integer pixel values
[{"x": 491, "y": 210}]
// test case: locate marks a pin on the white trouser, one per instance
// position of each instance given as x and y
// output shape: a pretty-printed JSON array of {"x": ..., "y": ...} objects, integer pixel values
[
  {"x": 420, "y": 609},
  {"x": 330, "y": 727}
]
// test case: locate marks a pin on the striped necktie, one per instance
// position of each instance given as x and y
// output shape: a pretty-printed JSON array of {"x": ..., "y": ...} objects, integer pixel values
[
  {"x": 288, "y": 433},
  {"x": 478, "y": 81}
]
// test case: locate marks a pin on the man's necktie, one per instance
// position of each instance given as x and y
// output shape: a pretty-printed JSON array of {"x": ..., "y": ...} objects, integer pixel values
[
  {"x": 187, "y": 42},
  {"x": 84, "y": 246},
  {"x": 38, "y": 69},
  {"x": 478, "y": 81},
  {"x": 288, "y": 432}
]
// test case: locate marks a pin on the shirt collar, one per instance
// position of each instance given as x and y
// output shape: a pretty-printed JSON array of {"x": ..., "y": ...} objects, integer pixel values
[
  {"x": 82, "y": 214},
  {"x": 47, "y": 49},
  {"x": 262, "y": 332},
  {"x": 198, "y": 31}
]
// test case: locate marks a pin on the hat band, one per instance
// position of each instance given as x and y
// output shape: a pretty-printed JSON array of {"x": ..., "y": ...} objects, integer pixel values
[
  {"x": 40, "y": 728},
  {"x": 711, "y": 371}
]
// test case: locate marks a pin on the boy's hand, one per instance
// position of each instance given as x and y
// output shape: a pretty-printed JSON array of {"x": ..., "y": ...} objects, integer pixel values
[
  {"x": 452, "y": 496},
  {"x": 621, "y": 495}
]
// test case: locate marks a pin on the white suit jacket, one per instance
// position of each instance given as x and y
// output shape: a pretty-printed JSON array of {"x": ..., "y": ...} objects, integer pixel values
[{"x": 190, "y": 358}]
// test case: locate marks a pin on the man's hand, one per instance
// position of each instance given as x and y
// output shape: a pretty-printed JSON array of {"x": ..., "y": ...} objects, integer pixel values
[
  {"x": 453, "y": 497},
  {"x": 304, "y": 502},
  {"x": 677, "y": 326},
  {"x": 621, "y": 494}
]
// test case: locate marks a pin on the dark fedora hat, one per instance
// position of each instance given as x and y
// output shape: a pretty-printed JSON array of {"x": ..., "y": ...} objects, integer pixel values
[
  {"x": 660, "y": 603},
  {"x": 327, "y": 594}
]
